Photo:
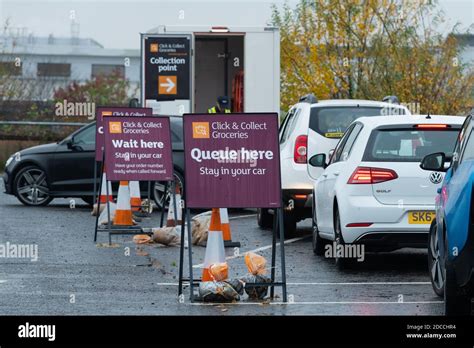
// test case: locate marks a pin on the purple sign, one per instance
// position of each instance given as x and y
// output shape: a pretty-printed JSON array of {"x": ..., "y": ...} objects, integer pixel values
[
  {"x": 102, "y": 112},
  {"x": 232, "y": 160},
  {"x": 138, "y": 149}
]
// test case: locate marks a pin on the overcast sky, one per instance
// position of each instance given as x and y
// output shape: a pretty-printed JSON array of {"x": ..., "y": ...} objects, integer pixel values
[{"x": 117, "y": 23}]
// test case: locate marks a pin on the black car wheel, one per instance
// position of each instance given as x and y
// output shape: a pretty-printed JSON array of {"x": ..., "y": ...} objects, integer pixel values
[
  {"x": 341, "y": 262},
  {"x": 31, "y": 186},
  {"x": 264, "y": 218},
  {"x": 435, "y": 263},
  {"x": 289, "y": 224},
  {"x": 159, "y": 189},
  {"x": 455, "y": 302},
  {"x": 318, "y": 242},
  {"x": 88, "y": 199}
]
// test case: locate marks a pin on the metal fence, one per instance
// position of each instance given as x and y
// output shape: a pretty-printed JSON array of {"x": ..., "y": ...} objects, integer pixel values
[{"x": 11, "y": 144}]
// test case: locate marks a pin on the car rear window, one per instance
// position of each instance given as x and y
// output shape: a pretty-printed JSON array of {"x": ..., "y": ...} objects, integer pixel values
[
  {"x": 331, "y": 122},
  {"x": 408, "y": 145},
  {"x": 469, "y": 149}
]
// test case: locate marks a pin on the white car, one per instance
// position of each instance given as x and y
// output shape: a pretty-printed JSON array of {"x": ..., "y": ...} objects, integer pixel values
[
  {"x": 312, "y": 127},
  {"x": 373, "y": 191}
]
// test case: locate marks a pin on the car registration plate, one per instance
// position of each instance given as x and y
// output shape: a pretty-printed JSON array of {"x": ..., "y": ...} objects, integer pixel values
[{"x": 421, "y": 217}]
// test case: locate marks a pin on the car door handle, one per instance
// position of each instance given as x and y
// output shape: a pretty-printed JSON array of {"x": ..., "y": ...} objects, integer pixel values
[
  {"x": 325, "y": 175},
  {"x": 336, "y": 173}
]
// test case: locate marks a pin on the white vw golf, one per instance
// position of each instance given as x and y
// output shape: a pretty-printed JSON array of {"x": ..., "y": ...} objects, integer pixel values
[{"x": 373, "y": 191}]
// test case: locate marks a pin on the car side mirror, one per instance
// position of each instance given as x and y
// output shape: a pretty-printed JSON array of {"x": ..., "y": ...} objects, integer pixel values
[
  {"x": 434, "y": 162},
  {"x": 318, "y": 160},
  {"x": 134, "y": 103},
  {"x": 70, "y": 144}
]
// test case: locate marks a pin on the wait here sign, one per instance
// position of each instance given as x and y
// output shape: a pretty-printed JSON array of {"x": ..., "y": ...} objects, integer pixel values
[
  {"x": 138, "y": 149},
  {"x": 232, "y": 160}
]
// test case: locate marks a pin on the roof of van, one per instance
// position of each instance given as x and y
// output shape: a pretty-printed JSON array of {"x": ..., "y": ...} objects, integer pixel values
[{"x": 351, "y": 102}]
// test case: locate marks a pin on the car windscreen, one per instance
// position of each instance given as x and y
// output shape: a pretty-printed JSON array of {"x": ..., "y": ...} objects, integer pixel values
[
  {"x": 332, "y": 122},
  {"x": 409, "y": 144}
]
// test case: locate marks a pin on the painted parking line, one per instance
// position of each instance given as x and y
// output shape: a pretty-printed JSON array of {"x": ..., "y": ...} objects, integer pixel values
[
  {"x": 288, "y": 241},
  {"x": 279, "y": 303},
  {"x": 328, "y": 283},
  {"x": 242, "y": 216},
  {"x": 363, "y": 283}
]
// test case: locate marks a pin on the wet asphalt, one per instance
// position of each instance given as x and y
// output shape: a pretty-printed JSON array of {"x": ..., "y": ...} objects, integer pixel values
[{"x": 75, "y": 276}]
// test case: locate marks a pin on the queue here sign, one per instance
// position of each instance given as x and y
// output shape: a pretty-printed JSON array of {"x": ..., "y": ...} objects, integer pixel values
[
  {"x": 138, "y": 149},
  {"x": 232, "y": 160}
]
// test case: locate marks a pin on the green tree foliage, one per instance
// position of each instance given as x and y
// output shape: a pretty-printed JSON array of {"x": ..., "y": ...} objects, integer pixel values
[{"x": 371, "y": 48}]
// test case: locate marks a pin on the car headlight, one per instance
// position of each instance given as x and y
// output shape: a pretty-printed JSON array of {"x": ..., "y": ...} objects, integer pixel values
[{"x": 11, "y": 158}]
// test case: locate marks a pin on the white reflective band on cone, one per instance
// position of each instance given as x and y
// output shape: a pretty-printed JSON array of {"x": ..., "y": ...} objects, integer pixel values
[
  {"x": 215, "y": 252},
  {"x": 134, "y": 189},
  {"x": 224, "y": 215}
]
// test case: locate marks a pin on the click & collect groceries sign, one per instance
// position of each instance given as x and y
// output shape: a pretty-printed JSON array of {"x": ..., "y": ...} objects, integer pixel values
[
  {"x": 232, "y": 160},
  {"x": 102, "y": 112},
  {"x": 138, "y": 149},
  {"x": 167, "y": 67}
]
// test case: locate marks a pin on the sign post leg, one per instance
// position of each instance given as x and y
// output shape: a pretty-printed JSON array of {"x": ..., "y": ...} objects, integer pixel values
[
  {"x": 282, "y": 253},
  {"x": 95, "y": 183},
  {"x": 181, "y": 254},
  {"x": 190, "y": 253},
  {"x": 149, "y": 198},
  {"x": 175, "y": 210},
  {"x": 165, "y": 192},
  {"x": 98, "y": 206},
  {"x": 108, "y": 211},
  {"x": 274, "y": 234}
]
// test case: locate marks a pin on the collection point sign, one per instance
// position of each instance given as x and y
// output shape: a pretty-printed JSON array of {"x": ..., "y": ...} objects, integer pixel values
[
  {"x": 232, "y": 160},
  {"x": 167, "y": 64}
]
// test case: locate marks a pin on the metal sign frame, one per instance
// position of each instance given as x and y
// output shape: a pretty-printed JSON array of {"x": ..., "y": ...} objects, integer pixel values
[
  {"x": 129, "y": 230},
  {"x": 278, "y": 228}
]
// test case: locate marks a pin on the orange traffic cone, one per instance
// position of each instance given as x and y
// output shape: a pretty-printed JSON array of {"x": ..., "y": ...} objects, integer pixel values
[
  {"x": 135, "y": 199},
  {"x": 123, "y": 213},
  {"x": 215, "y": 246},
  {"x": 170, "y": 222},
  {"x": 228, "y": 243},
  {"x": 103, "y": 189}
]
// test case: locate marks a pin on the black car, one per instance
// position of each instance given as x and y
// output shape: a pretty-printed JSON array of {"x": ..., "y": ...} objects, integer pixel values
[{"x": 38, "y": 174}]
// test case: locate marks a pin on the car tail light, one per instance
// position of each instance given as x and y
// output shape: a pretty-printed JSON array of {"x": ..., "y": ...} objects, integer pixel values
[
  {"x": 431, "y": 126},
  {"x": 368, "y": 175},
  {"x": 300, "y": 196},
  {"x": 359, "y": 224},
  {"x": 301, "y": 146},
  {"x": 444, "y": 194}
]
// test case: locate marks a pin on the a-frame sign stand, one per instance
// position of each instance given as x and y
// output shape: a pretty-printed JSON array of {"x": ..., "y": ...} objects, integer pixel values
[
  {"x": 277, "y": 229},
  {"x": 125, "y": 230}
]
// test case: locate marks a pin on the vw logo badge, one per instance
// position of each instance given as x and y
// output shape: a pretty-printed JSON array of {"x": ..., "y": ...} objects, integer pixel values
[{"x": 436, "y": 177}]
